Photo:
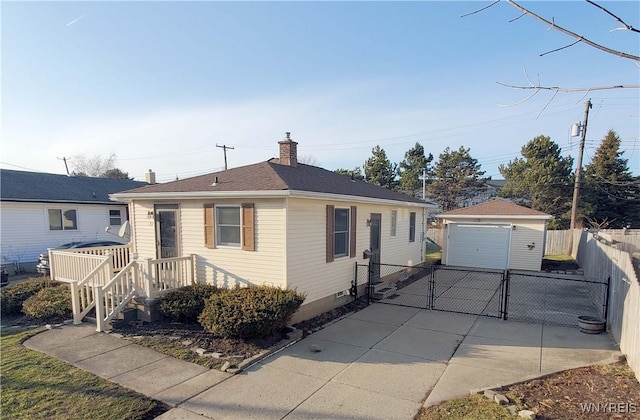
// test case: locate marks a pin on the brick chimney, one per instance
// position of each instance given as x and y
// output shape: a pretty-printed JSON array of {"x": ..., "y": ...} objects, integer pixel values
[{"x": 288, "y": 151}]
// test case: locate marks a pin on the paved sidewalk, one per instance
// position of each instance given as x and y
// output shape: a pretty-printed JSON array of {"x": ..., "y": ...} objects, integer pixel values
[{"x": 378, "y": 363}]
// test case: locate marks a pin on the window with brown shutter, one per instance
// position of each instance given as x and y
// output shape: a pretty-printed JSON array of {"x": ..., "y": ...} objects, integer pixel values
[
  {"x": 248, "y": 227},
  {"x": 209, "y": 226},
  {"x": 330, "y": 224},
  {"x": 352, "y": 232}
]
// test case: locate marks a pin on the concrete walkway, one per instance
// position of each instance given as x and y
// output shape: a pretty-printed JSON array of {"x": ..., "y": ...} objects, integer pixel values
[{"x": 379, "y": 363}]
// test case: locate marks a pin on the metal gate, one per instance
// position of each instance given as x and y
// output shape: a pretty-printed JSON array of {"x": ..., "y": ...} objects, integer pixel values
[
  {"x": 477, "y": 292},
  {"x": 551, "y": 299},
  {"x": 555, "y": 299}
]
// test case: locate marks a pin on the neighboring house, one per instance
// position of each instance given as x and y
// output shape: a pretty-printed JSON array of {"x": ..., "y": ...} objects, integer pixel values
[
  {"x": 496, "y": 234},
  {"x": 491, "y": 188},
  {"x": 277, "y": 223},
  {"x": 40, "y": 211}
]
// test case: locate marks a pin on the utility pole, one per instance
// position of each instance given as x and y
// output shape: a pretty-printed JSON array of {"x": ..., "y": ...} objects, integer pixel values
[
  {"x": 576, "y": 185},
  {"x": 224, "y": 147},
  {"x": 64, "y": 159},
  {"x": 424, "y": 184}
]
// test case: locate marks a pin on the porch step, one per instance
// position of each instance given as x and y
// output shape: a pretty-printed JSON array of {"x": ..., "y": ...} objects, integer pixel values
[{"x": 384, "y": 293}]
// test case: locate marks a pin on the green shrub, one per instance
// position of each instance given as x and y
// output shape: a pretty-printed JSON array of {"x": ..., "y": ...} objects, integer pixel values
[
  {"x": 12, "y": 297},
  {"x": 186, "y": 303},
  {"x": 249, "y": 312},
  {"x": 48, "y": 304}
]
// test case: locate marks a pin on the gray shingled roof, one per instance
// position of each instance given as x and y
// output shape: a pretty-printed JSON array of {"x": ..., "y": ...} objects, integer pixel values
[
  {"x": 494, "y": 207},
  {"x": 271, "y": 176},
  {"x": 43, "y": 187}
]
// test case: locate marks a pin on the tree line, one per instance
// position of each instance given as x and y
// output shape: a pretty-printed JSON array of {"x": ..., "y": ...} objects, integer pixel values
[{"x": 541, "y": 179}]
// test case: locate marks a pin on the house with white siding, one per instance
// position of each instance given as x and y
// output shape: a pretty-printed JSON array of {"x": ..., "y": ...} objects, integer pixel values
[
  {"x": 42, "y": 210},
  {"x": 496, "y": 234},
  {"x": 279, "y": 223}
]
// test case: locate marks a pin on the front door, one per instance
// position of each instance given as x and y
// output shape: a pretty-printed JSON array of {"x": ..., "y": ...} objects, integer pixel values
[
  {"x": 375, "y": 233},
  {"x": 166, "y": 231}
]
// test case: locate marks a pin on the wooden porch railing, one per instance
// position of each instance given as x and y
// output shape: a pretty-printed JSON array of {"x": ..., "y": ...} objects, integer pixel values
[
  {"x": 82, "y": 292},
  {"x": 168, "y": 273},
  {"x": 72, "y": 267},
  {"x": 116, "y": 294},
  {"x": 97, "y": 284}
]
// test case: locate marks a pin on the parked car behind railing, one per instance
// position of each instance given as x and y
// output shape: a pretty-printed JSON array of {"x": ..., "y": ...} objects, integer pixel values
[{"x": 43, "y": 266}]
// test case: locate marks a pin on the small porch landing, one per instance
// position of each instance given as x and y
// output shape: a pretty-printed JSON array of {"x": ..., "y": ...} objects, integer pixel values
[{"x": 108, "y": 279}]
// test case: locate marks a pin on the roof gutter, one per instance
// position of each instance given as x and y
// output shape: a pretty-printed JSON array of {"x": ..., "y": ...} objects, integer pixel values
[
  {"x": 494, "y": 216},
  {"x": 207, "y": 195}
]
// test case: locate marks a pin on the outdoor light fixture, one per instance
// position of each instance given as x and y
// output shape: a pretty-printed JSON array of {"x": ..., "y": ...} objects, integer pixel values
[{"x": 368, "y": 222}]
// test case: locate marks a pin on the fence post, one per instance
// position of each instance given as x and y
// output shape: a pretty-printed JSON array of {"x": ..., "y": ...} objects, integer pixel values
[
  {"x": 148, "y": 276},
  {"x": 100, "y": 309},
  {"x": 75, "y": 302},
  {"x": 369, "y": 285},
  {"x": 193, "y": 269},
  {"x": 606, "y": 299},
  {"x": 506, "y": 278}
]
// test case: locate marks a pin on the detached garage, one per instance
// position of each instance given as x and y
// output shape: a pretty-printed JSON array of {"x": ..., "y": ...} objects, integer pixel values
[{"x": 497, "y": 234}]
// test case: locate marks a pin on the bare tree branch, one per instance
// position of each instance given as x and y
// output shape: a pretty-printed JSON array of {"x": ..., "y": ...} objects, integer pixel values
[
  {"x": 516, "y": 18},
  {"x": 574, "y": 35},
  {"x": 561, "y": 89},
  {"x": 558, "y": 49},
  {"x": 626, "y": 26},
  {"x": 480, "y": 10}
]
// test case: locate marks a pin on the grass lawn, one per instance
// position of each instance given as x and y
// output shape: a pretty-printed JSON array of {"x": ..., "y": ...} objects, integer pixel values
[
  {"x": 37, "y": 386},
  {"x": 559, "y": 262},
  {"x": 474, "y": 407}
]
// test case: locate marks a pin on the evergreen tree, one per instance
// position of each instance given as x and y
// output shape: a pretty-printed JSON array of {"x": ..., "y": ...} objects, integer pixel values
[
  {"x": 541, "y": 179},
  {"x": 356, "y": 172},
  {"x": 379, "y": 170},
  {"x": 415, "y": 163},
  {"x": 457, "y": 177},
  {"x": 610, "y": 195}
]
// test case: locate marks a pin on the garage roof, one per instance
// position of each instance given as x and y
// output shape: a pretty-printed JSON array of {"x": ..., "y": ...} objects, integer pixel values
[{"x": 496, "y": 208}]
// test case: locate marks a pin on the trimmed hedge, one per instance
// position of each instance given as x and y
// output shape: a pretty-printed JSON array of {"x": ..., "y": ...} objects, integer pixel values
[
  {"x": 249, "y": 312},
  {"x": 186, "y": 303},
  {"x": 13, "y": 296},
  {"x": 48, "y": 304}
]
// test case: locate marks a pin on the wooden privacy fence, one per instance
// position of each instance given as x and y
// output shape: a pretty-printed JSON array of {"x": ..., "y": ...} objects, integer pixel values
[{"x": 602, "y": 261}]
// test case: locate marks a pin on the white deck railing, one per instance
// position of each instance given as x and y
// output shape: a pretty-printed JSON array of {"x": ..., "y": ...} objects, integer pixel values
[
  {"x": 114, "y": 296},
  {"x": 72, "y": 267},
  {"x": 97, "y": 284},
  {"x": 168, "y": 273},
  {"x": 82, "y": 292},
  {"x": 119, "y": 253}
]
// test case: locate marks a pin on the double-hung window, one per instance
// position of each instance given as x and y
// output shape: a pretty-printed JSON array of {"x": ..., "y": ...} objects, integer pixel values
[
  {"x": 412, "y": 226},
  {"x": 228, "y": 226},
  {"x": 394, "y": 222},
  {"x": 63, "y": 219},
  {"x": 341, "y": 233},
  {"x": 115, "y": 217}
]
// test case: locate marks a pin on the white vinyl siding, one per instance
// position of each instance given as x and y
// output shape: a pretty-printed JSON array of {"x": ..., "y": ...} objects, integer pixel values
[
  {"x": 307, "y": 269},
  {"x": 228, "y": 266},
  {"x": 526, "y": 243},
  {"x": 25, "y": 233}
]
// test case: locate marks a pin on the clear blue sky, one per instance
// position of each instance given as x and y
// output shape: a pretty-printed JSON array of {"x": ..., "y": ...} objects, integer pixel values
[{"x": 160, "y": 84}]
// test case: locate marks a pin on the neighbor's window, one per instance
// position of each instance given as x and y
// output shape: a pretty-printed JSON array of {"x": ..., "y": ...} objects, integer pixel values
[
  {"x": 394, "y": 221},
  {"x": 412, "y": 226},
  {"x": 341, "y": 233},
  {"x": 60, "y": 219},
  {"x": 115, "y": 217},
  {"x": 228, "y": 225}
]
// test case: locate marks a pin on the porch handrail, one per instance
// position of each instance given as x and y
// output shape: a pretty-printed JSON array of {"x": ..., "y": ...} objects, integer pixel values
[
  {"x": 119, "y": 253},
  {"x": 162, "y": 275},
  {"x": 65, "y": 266},
  {"x": 116, "y": 294},
  {"x": 82, "y": 296}
]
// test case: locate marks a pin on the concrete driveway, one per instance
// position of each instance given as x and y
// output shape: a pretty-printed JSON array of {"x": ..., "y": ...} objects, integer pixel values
[{"x": 386, "y": 361}]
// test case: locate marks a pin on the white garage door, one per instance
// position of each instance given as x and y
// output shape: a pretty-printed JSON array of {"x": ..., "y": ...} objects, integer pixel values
[{"x": 483, "y": 246}]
